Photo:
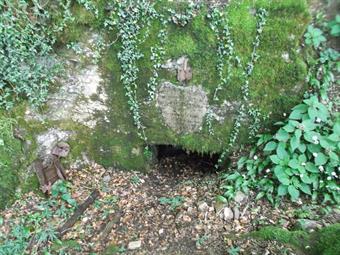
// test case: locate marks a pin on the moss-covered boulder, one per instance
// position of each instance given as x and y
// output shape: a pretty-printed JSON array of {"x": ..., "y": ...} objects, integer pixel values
[{"x": 194, "y": 73}]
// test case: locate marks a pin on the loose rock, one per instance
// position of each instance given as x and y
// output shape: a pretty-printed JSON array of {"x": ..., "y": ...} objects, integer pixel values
[
  {"x": 240, "y": 197},
  {"x": 134, "y": 245},
  {"x": 308, "y": 225},
  {"x": 203, "y": 207},
  {"x": 227, "y": 214}
]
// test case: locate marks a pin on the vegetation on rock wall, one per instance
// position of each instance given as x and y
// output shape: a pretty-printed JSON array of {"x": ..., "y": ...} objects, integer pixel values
[
  {"x": 10, "y": 153},
  {"x": 302, "y": 156},
  {"x": 171, "y": 31}
]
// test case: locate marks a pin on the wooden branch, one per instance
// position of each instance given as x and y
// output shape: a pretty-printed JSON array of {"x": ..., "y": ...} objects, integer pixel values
[
  {"x": 113, "y": 219},
  {"x": 79, "y": 211}
]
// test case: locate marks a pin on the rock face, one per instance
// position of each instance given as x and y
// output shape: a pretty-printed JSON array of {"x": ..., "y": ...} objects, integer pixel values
[
  {"x": 88, "y": 107},
  {"x": 183, "y": 108}
]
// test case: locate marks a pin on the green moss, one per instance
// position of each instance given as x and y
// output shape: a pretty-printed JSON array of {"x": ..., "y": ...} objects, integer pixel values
[
  {"x": 10, "y": 155},
  {"x": 325, "y": 241},
  {"x": 276, "y": 85},
  {"x": 295, "y": 238}
]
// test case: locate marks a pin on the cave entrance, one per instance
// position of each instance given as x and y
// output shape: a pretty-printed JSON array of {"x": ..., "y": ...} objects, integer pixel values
[{"x": 176, "y": 161}]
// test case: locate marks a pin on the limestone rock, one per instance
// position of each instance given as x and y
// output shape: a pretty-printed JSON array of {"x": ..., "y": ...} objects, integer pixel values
[
  {"x": 134, "y": 245},
  {"x": 203, "y": 207},
  {"x": 182, "y": 108},
  {"x": 227, "y": 214},
  {"x": 48, "y": 140},
  {"x": 240, "y": 197}
]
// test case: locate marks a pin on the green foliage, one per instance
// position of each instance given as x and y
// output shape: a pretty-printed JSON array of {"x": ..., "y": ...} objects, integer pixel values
[
  {"x": 26, "y": 65},
  {"x": 60, "y": 189},
  {"x": 314, "y": 36},
  {"x": 302, "y": 156},
  {"x": 233, "y": 250},
  {"x": 174, "y": 202},
  {"x": 226, "y": 50},
  {"x": 38, "y": 224},
  {"x": 334, "y": 26}
]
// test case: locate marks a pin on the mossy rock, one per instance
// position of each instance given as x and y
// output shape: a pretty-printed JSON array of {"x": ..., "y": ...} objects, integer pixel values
[{"x": 276, "y": 84}]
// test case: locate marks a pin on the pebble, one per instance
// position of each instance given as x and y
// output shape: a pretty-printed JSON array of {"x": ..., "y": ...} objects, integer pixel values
[
  {"x": 107, "y": 178},
  {"x": 203, "y": 207},
  {"x": 134, "y": 245},
  {"x": 186, "y": 218},
  {"x": 236, "y": 213},
  {"x": 227, "y": 214},
  {"x": 240, "y": 197}
]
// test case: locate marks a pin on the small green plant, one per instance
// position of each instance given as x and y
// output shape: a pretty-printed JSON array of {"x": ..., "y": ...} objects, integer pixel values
[
  {"x": 135, "y": 180},
  {"x": 233, "y": 250},
  {"x": 334, "y": 26},
  {"x": 314, "y": 36},
  {"x": 174, "y": 202},
  {"x": 60, "y": 189},
  {"x": 301, "y": 157}
]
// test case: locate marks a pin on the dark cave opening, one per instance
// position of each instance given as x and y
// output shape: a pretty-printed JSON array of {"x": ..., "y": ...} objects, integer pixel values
[{"x": 178, "y": 161}]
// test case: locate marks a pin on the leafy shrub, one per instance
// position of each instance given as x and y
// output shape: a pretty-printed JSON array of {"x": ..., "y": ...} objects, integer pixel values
[
  {"x": 26, "y": 69},
  {"x": 301, "y": 157}
]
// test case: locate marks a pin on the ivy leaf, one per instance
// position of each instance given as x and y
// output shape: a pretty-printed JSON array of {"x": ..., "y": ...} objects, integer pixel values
[
  {"x": 270, "y": 146},
  {"x": 320, "y": 159},
  {"x": 308, "y": 125},
  {"x": 294, "y": 163},
  {"x": 294, "y": 143},
  {"x": 275, "y": 159},
  {"x": 281, "y": 151},
  {"x": 293, "y": 192},
  {"x": 305, "y": 189},
  {"x": 282, "y": 190},
  {"x": 311, "y": 167},
  {"x": 281, "y": 175},
  {"x": 305, "y": 179},
  {"x": 282, "y": 135}
]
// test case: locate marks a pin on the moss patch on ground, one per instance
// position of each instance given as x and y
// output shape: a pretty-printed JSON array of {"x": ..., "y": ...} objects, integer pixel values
[{"x": 325, "y": 241}]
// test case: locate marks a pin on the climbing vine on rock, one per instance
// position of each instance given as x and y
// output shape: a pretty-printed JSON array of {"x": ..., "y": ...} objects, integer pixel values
[
  {"x": 246, "y": 109},
  {"x": 131, "y": 20},
  {"x": 26, "y": 68},
  {"x": 157, "y": 58}
]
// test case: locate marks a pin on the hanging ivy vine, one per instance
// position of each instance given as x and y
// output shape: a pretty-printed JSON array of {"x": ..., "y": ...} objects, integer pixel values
[
  {"x": 132, "y": 18},
  {"x": 226, "y": 51}
]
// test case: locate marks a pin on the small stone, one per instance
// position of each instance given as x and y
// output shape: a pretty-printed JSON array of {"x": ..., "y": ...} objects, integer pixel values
[
  {"x": 203, "y": 207},
  {"x": 190, "y": 210},
  {"x": 161, "y": 231},
  {"x": 227, "y": 214},
  {"x": 106, "y": 178},
  {"x": 134, "y": 245},
  {"x": 236, "y": 213},
  {"x": 308, "y": 225},
  {"x": 186, "y": 218},
  {"x": 240, "y": 197}
]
